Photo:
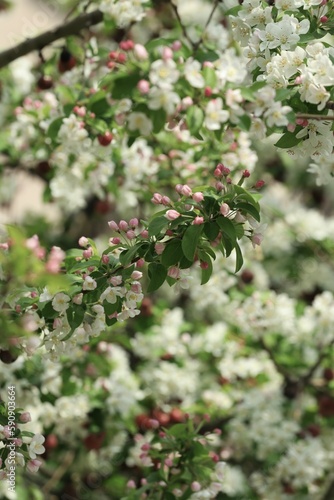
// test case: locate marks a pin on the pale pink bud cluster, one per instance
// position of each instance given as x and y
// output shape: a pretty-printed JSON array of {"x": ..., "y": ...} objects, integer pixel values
[
  {"x": 55, "y": 260},
  {"x": 221, "y": 170},
  {"x": 33, "y": 245},
  {"x": 183, "y": 190},
  {"x": 159, "y": 199},
  {"x": 125, "y": 227}
]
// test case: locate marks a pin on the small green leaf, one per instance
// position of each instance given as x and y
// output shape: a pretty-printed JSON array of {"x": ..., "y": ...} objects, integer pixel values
[
  {"x": 195, "y": 118},
  {"x": 75, "y": 315},
  {"x": 245, "y": 122},
  {"x": 159, "y": 119},
  {"x": 211, "y": 230},
  {"x": 190, "y": 241},
  {"x": 227, "y": 228},
  {"x": 173, "y": 253},
  {"x": 54, "y": 128},
  {"x": 157, "y": 274},
  {"x": 240, "y": 260},
  {"x": 249, "y": 209},
  {"x": 157, "y": 225},
  {"x": 206, "y": 273},
  {"x": 210, "y": 76},
  {"x": 127, "y": 256},
  {"x": 288, "y": 140}
]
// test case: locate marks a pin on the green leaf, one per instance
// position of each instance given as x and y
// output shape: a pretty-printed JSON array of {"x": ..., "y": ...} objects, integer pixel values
[
  {"x": 190, "y": 241},
  {"x": 157, "y": 274},
  {"x": 206, "y": 273},
  {"x": 127, "y": 256},
  {"x": 245, "y": 122},
  {"x": 157, "y": 225},
  {"x": 211, "y": 230},
  {"x": 195, "y": 118},
  {"x": 209, "y": 76},
  {"x": 124, "y": 86},
  {"x": 54, "y": 128},
  {"x": 227, "y": 228},
  {"x": 75, "y": 315},
  {"x": 159, "y": 119},
  {"x": 172, "y": 253},
  {"x": 288, "y": 140},
  {"x": 240, "y": 260},
  {"x": 249, "y": 209}
]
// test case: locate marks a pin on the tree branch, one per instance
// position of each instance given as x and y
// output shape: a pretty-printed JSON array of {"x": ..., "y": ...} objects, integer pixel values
[
  {"x": 307, "y": 116},
  {"x": 39, "y": 42}
]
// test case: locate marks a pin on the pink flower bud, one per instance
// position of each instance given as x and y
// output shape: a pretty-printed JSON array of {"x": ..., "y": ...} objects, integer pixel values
[
  {"x": 34, "y": 465},
  {"x": 174, "y": 272},
  {"x": 176, "y": 45},
  {"x": 204, "y": 265},
  {"x": 198, "y": 197},
  {"x": 208, "y": 91},
  {"x": 140, "y": 52},
  {"x": 219, "y": 186},
  {"x": 131, "y": 484},
  {"x": 144, "y": 233},
  {"x": 169, "y": 462},
  {"x": 115, "y": 241},
  {"x": 154, "y": 423},
  {"x": 87, "y": 253},
  {"x": 130, "y": 234},
  {"x": 172, "y": 214},
  {"x": 113, "y": 225},
  {"x": 136, "y": 275},
  {"x": 77, "y": 299},
  {"x": 25, "y": 417},
  {"x": 259, "y": 184},
  {"x": 116, "y": 280},
  {"x": 33, "y": 295},
  {"x": 133, "y": 223},
  {"x": 187, "y": 102},
  {"x": 208, "y": 64},
  {"x": 83, "y": 241},
  {"x": 224, "y": 209},
  {"x": 123, "y": 225},
  {"x": 291, "y": 127},
  {"x": 140, "y": 263},
  {"x": 166, "y": 201},
  {"x": 195, "y": 486},
  {"x": 105, "y": 259},
  {"x": 167, "y": 53},
  {"x": 198, "y": 220},
  {"x": 186, "y": 190},
  {"x": 178, "y": 188},
  {"x": 143, "y": 86},
  {"x": 156, "y": 199},
  {"x": 298, "y": 80},
  {"x": 146, "y": 447},
  {"x": 246, "y": 173},
  {"x": 323, "y": 19},
  {"x": 159, "y": 248}
]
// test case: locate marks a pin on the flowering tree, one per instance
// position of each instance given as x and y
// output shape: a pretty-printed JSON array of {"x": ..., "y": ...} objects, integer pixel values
[{"x": 166, "y": 355}]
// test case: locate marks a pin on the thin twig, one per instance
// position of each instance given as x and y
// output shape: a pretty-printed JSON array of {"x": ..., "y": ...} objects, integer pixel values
[
  {"x": 307, "y": 116},
  {"x": 316, "y": 365},
  {"x": 59, "y": 473},
  {"x": 197, "y": 44},
  {"x": 39, "y": 42},
  {"x": 278, "y": 367},
  {"x": 184, "y": 31}
]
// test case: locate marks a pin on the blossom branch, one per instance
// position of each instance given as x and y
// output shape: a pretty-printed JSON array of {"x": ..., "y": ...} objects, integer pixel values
[
  {"x": 197, "y": 44},
  {"x": 307, "y": 116},
  {"x": 73, "y": 27},
  {"x": 184, "y": 31}
]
